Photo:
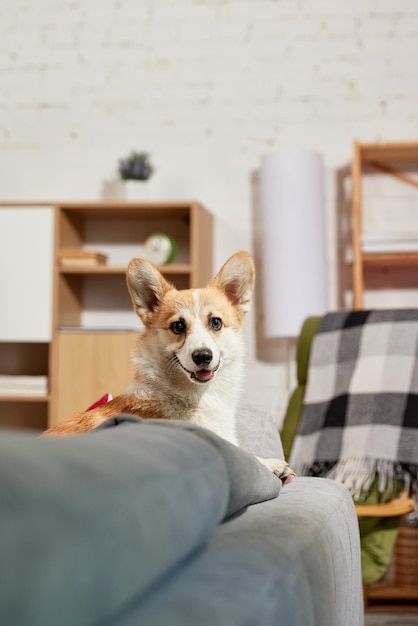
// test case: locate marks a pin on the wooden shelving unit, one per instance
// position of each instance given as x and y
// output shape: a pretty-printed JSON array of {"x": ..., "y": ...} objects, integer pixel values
[
  {"x": 397, "y": 591},
  {"x": 384, "y": 158},
  {"x": 93, "y": 327}
]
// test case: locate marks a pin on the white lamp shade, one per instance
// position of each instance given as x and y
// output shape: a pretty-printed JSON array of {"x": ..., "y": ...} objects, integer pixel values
[{"x": 293, "y": 230}]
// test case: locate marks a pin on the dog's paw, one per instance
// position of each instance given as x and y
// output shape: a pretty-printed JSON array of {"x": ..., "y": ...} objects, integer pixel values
[{"x": 280, "y": 468}]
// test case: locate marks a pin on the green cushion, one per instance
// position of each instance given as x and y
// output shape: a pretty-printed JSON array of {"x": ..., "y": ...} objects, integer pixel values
[
  {"x": 291, "y": 420},
  {"x": 303, "y": 354},
  {"x": 378, "y": 536},
  {"x": 295, "y": 406}
]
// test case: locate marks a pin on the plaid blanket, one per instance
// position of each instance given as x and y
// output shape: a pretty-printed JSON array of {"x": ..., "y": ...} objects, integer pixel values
[{"x": 360, "y": 418}]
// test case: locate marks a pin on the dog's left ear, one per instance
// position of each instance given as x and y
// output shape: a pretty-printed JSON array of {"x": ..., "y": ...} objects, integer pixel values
[
  {"x": 147, "y": 286},
  {"x": 236, "y": 279}
]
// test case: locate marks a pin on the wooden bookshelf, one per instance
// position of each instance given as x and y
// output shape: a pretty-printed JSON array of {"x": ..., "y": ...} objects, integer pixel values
[{"x": 93, "y": 327}]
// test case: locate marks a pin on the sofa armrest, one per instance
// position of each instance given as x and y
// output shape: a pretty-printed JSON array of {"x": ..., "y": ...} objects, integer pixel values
[{"x": 91, "y": 521}]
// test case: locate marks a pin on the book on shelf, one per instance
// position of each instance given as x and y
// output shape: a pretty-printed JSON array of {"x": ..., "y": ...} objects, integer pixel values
[{"x": 75, "y": 256}]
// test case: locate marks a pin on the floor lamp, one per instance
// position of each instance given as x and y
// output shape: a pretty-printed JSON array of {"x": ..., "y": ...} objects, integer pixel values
[{"x": 294, "y": 245}]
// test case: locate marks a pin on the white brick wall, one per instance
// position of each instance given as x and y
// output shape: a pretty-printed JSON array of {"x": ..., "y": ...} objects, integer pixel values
[{"x": 207, "y": 86}]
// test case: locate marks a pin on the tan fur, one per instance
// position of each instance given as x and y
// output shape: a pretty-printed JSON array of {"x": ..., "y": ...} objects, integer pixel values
[{"x": 88, "y": 420}]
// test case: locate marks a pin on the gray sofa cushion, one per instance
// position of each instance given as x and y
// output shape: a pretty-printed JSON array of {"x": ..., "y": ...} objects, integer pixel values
[
  {"x": 292, "y": 561},
  {"x": 89, "y": 522},
  {"x": 258, "y": 433}
]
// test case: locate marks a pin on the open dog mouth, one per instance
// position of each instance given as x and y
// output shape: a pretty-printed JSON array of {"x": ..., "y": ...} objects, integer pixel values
[{"x": 200, "y": 376}]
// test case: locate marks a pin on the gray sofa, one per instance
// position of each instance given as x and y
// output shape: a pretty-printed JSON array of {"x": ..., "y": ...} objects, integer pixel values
[{"x": 158, "y": 523}]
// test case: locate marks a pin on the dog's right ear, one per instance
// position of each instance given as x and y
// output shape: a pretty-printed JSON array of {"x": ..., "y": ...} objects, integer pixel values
[{"x": 146, "y": 286}]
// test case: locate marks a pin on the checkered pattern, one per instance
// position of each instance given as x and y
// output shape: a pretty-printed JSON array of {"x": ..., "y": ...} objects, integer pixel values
[{"x": 361, "y": 406}]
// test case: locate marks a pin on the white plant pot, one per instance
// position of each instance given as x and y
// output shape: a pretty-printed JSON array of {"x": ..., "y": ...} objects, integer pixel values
[{"x": 137, "y": 190}]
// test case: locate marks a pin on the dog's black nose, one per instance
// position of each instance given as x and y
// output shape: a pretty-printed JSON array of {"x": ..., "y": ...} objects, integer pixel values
[{"x": 202, "y": 356}]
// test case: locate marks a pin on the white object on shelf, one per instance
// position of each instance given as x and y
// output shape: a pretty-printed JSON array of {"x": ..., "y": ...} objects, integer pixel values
[
  {"x": 160, "y": 249},
  {"x": 389, "y": 242},
  {"x": 26, "y": 273},
  {"x": 137, "y": 190},
  {"x": 23, "y": 385}
]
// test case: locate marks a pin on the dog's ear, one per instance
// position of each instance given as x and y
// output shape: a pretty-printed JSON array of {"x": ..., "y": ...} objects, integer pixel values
[
  {"x": 236, "y": 279},
  {"x": 146, "y": 286}
]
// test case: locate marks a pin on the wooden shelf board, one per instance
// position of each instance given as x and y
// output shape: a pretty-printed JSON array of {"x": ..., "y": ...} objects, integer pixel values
[
  {"x": 403, "y": 606},
  {"x": 23, "y": 398},
  {"x": 114, "y": 209},
  {"x": 105, "y": 205},
  {"x": 386, "y": 152},
  {"x": 174, "y": 268},
  {"x": 99, "y": 330},
  {"x": 393, "y": 592},
  {"x": 375, "y": 259}
]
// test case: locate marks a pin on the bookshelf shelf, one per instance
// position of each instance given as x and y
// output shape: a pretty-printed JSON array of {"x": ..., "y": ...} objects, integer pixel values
[{"x": 167, "y": 270}]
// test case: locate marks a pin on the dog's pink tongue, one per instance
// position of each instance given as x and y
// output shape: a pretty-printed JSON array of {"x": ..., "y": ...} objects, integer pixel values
[{"x": 203, "y": 374}]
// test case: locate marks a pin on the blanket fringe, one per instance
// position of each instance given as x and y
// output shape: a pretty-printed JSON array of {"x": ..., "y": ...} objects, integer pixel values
[{"x": 359, "y": 475}]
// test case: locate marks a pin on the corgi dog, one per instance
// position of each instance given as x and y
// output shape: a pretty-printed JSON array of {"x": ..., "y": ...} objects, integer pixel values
[{"x": 189, "y": 356}]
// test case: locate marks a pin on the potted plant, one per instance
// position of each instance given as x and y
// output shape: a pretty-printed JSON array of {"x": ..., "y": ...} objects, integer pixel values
[{"x": 135, "y": 170}]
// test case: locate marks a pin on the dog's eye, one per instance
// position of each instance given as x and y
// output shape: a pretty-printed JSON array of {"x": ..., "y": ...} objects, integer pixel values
[
  {"x": 215, "y": 323},
  {"x": 178, "y": 327}
]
